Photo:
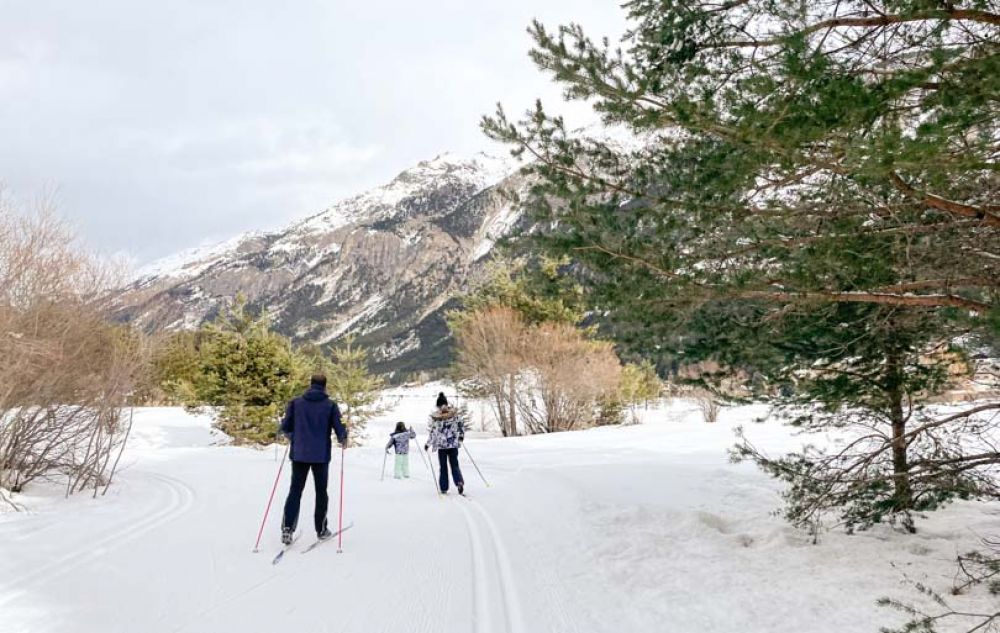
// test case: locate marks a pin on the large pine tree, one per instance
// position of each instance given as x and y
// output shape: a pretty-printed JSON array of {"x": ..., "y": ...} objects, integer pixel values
[{"x": 810, "y": 196}]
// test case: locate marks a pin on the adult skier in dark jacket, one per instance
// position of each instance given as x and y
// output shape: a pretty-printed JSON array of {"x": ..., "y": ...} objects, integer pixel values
[{"x": 308, "y": 423}]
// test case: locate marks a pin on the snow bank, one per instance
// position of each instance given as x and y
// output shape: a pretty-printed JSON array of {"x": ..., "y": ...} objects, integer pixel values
[{"x": 643, "y": 528}]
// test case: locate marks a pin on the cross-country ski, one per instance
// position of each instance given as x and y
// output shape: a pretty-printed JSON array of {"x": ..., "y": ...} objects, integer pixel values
[
  {"x": 284, "y": 549},
  {"x": 333, "y": 536}
]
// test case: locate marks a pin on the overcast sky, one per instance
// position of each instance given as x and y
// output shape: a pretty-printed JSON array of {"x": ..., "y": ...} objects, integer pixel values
[{"x": 166, "y": 125}]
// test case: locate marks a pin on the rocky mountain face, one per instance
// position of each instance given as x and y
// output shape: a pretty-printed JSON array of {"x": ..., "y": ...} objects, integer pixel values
[{"x": 382, "y": 266}]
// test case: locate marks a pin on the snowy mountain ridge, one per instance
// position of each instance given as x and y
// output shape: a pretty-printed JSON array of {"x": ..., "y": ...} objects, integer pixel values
[
  {"x": 381, "y": 202},
  {"x": 190, "y": 261},
  {"x": 381, "y": 265}
]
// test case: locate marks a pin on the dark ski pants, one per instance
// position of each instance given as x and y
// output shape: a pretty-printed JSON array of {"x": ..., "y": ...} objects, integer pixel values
[
  {"x": 321, "y": 474},
  {"x": 449, "y": 456}
]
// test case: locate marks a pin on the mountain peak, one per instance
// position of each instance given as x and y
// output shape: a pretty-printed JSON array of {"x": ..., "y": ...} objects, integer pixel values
[
  {"x": 381, "y": 265},
  {"x": 380, "y": 203},
  {"x": 383, "y": 203},
  {"x": 489, "y": 169}
]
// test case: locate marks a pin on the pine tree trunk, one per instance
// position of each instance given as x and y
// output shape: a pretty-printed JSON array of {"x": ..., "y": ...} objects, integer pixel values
[
  {"x": 501, "y": 409},
  {"x": 900, "y": 466},
  {"x": 903, "y": 493},
  {"x": 512, "y": 403}
]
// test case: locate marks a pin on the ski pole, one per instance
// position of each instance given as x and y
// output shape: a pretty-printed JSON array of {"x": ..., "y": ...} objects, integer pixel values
[
  {"x": 476, "y": 465},
  {"x": 426, "y": 460},
  {"x": 434, "y": 476},
  {"x": 267, "y": 510},
  {"x": 423, "y": 459},
  {"x": 384, "y": 458},
  {"x": 340, "y": 519}
]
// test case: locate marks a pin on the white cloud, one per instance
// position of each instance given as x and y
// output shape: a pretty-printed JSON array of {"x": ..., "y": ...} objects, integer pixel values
[{"x": 167, "y": 123}]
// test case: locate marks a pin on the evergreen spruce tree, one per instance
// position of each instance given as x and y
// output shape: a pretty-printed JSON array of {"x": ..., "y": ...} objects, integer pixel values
[
  {"x": 243, "y": 372},
  {"x": 640, "y": 384},
  {"x": 811, "y": 196},
  {"x": 175, "y": 364},
  {"x": 534, "y": 289},
  {"x": 352, "y": 386}
]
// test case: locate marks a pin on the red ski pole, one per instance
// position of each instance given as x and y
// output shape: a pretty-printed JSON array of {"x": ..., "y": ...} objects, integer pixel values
[
  {"x": 340, "y": 519},
  {"x": 267, "y": 510}
]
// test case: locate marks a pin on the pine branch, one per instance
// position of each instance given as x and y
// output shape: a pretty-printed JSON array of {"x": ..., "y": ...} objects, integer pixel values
[
  {"x": 925, "y": 301},
  {"x": 883, "y": 20},
  {"x": 987, "y": 215}
]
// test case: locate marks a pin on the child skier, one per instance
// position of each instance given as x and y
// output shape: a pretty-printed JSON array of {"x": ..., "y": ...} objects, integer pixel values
[{"x": 400, "y": 439}]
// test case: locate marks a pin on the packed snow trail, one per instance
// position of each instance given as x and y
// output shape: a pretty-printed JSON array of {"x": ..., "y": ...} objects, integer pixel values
[
  {"x": 630, "y": 529},
  {"x": 170, "y": 499}
]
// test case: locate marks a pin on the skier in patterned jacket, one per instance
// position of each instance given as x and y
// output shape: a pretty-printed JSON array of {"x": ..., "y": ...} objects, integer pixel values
[
  {"x": 400, "y": 440},
  {"x": 447, "y": 432}
]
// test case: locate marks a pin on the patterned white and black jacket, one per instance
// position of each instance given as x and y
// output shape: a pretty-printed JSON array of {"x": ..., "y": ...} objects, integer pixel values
[
  {"x": 447, "y": 433},
  {"x": 401, "y": 441}
]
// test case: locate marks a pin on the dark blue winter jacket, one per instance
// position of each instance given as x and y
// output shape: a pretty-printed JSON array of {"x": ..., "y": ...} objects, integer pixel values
[{"x": 308, "y": 422}]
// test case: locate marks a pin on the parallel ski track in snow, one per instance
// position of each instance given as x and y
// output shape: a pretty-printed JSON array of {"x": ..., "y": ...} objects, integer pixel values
[
  {"x": 510, "y": 602},
  {"x": 181, "y": 498}
]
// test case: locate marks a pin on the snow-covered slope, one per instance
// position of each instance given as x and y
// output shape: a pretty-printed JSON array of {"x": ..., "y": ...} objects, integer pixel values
[
  {"x": 381, "y": 265},
  {"x": 639, "y": 529}
]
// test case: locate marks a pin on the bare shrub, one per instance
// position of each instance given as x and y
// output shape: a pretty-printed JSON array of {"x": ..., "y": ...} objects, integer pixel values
[
  {"x": 67, "y": 370},
  {"x": 537, "y": 378},
  {"x": 708, "y": 404},
  {"x": 568, "y": 374},
  {"x": 490, "y": 346}
]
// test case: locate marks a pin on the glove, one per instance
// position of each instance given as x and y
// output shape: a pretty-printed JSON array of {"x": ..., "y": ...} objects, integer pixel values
[{"x": 426, "y": 447}]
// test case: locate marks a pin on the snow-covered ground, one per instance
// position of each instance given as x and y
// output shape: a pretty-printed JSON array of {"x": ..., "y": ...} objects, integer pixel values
[{"x": 631, "y": 529}]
